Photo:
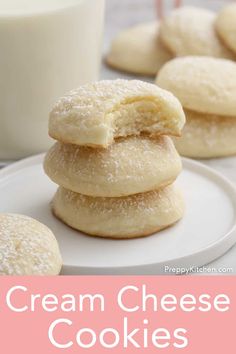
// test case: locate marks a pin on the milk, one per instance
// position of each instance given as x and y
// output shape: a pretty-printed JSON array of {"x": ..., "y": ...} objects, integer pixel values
[{"x": 47, "y": 47}]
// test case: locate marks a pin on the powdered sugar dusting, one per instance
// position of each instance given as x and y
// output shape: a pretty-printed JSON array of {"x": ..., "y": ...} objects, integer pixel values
[
  {"x": 202, "y": 84},
  {"x": 129, "y": 166},
  {"x": 143, "y": 204},
  {"x": 85, "y": 115},
  {"x": 27, "y": 247},
  {"x": 226, "y": 25}
]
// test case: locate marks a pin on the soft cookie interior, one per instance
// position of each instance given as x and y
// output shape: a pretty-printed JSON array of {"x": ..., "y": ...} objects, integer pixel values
[{"x": 140, "y": 116}]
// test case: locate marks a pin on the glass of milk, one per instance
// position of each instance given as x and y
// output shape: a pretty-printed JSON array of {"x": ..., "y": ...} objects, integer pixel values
[{"x": 47, "y": 47}]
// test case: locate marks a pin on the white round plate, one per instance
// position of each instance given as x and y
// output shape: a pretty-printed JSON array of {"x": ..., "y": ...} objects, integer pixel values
[{"x": 206, "y": 232}]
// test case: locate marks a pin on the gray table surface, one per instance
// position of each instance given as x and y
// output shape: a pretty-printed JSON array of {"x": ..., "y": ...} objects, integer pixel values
[{"x": 121, "y": 14}]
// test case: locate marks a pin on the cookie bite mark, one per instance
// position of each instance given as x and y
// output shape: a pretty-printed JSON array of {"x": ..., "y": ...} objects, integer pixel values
[{"x": 96, "y": 114}]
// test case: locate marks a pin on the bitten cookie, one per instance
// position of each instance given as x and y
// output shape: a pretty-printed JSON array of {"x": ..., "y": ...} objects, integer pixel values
[
  {"x": 128, "y": 217},
  {"x": 27, "y": 247},
  {"x": 207, "y": 136},
  {"x": 202, "y": 84},
  {"x": 191, "y": 31},
  {"x": 138, "y": 50},
  {"x": 97, "y": 113},
  {"x": 132, "y": 165},
  {"x": 226, "y": 26}
]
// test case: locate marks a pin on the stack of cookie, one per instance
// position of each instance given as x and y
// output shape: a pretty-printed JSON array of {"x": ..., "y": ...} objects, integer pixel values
[
  {"x": 206, "y": 87},
  {"x": 113, "y": 160}
]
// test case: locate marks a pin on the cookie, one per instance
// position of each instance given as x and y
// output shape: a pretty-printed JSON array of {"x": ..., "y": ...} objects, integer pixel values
[
  {"x": 128, "y": 217},
  {"x": 132, "y": 165},
  {"x": 202, "y": 84},
  {"x": 190, "y": 31},
  {"x": 138, "y": 50},
  {"x": 226, "y": 26},
  {"x": 97, "y": 113},
  {"x": 27, "y": 247},
  {"x": 207, "y": 136}
]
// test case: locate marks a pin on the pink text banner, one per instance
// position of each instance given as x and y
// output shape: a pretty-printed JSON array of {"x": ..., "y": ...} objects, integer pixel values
[{"x": 121, "y": 314}]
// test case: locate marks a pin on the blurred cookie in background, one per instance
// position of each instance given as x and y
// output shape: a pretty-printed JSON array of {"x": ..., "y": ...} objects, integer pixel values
[
  {"x": 138, "y": 50},
  {"x": 226, "y": 26},
  {"x": 207, "y": 136},
  {"x": 191, "y": 31},
  {"x": 206, "y": 87},
  {"x": 202, "y": 84}
]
